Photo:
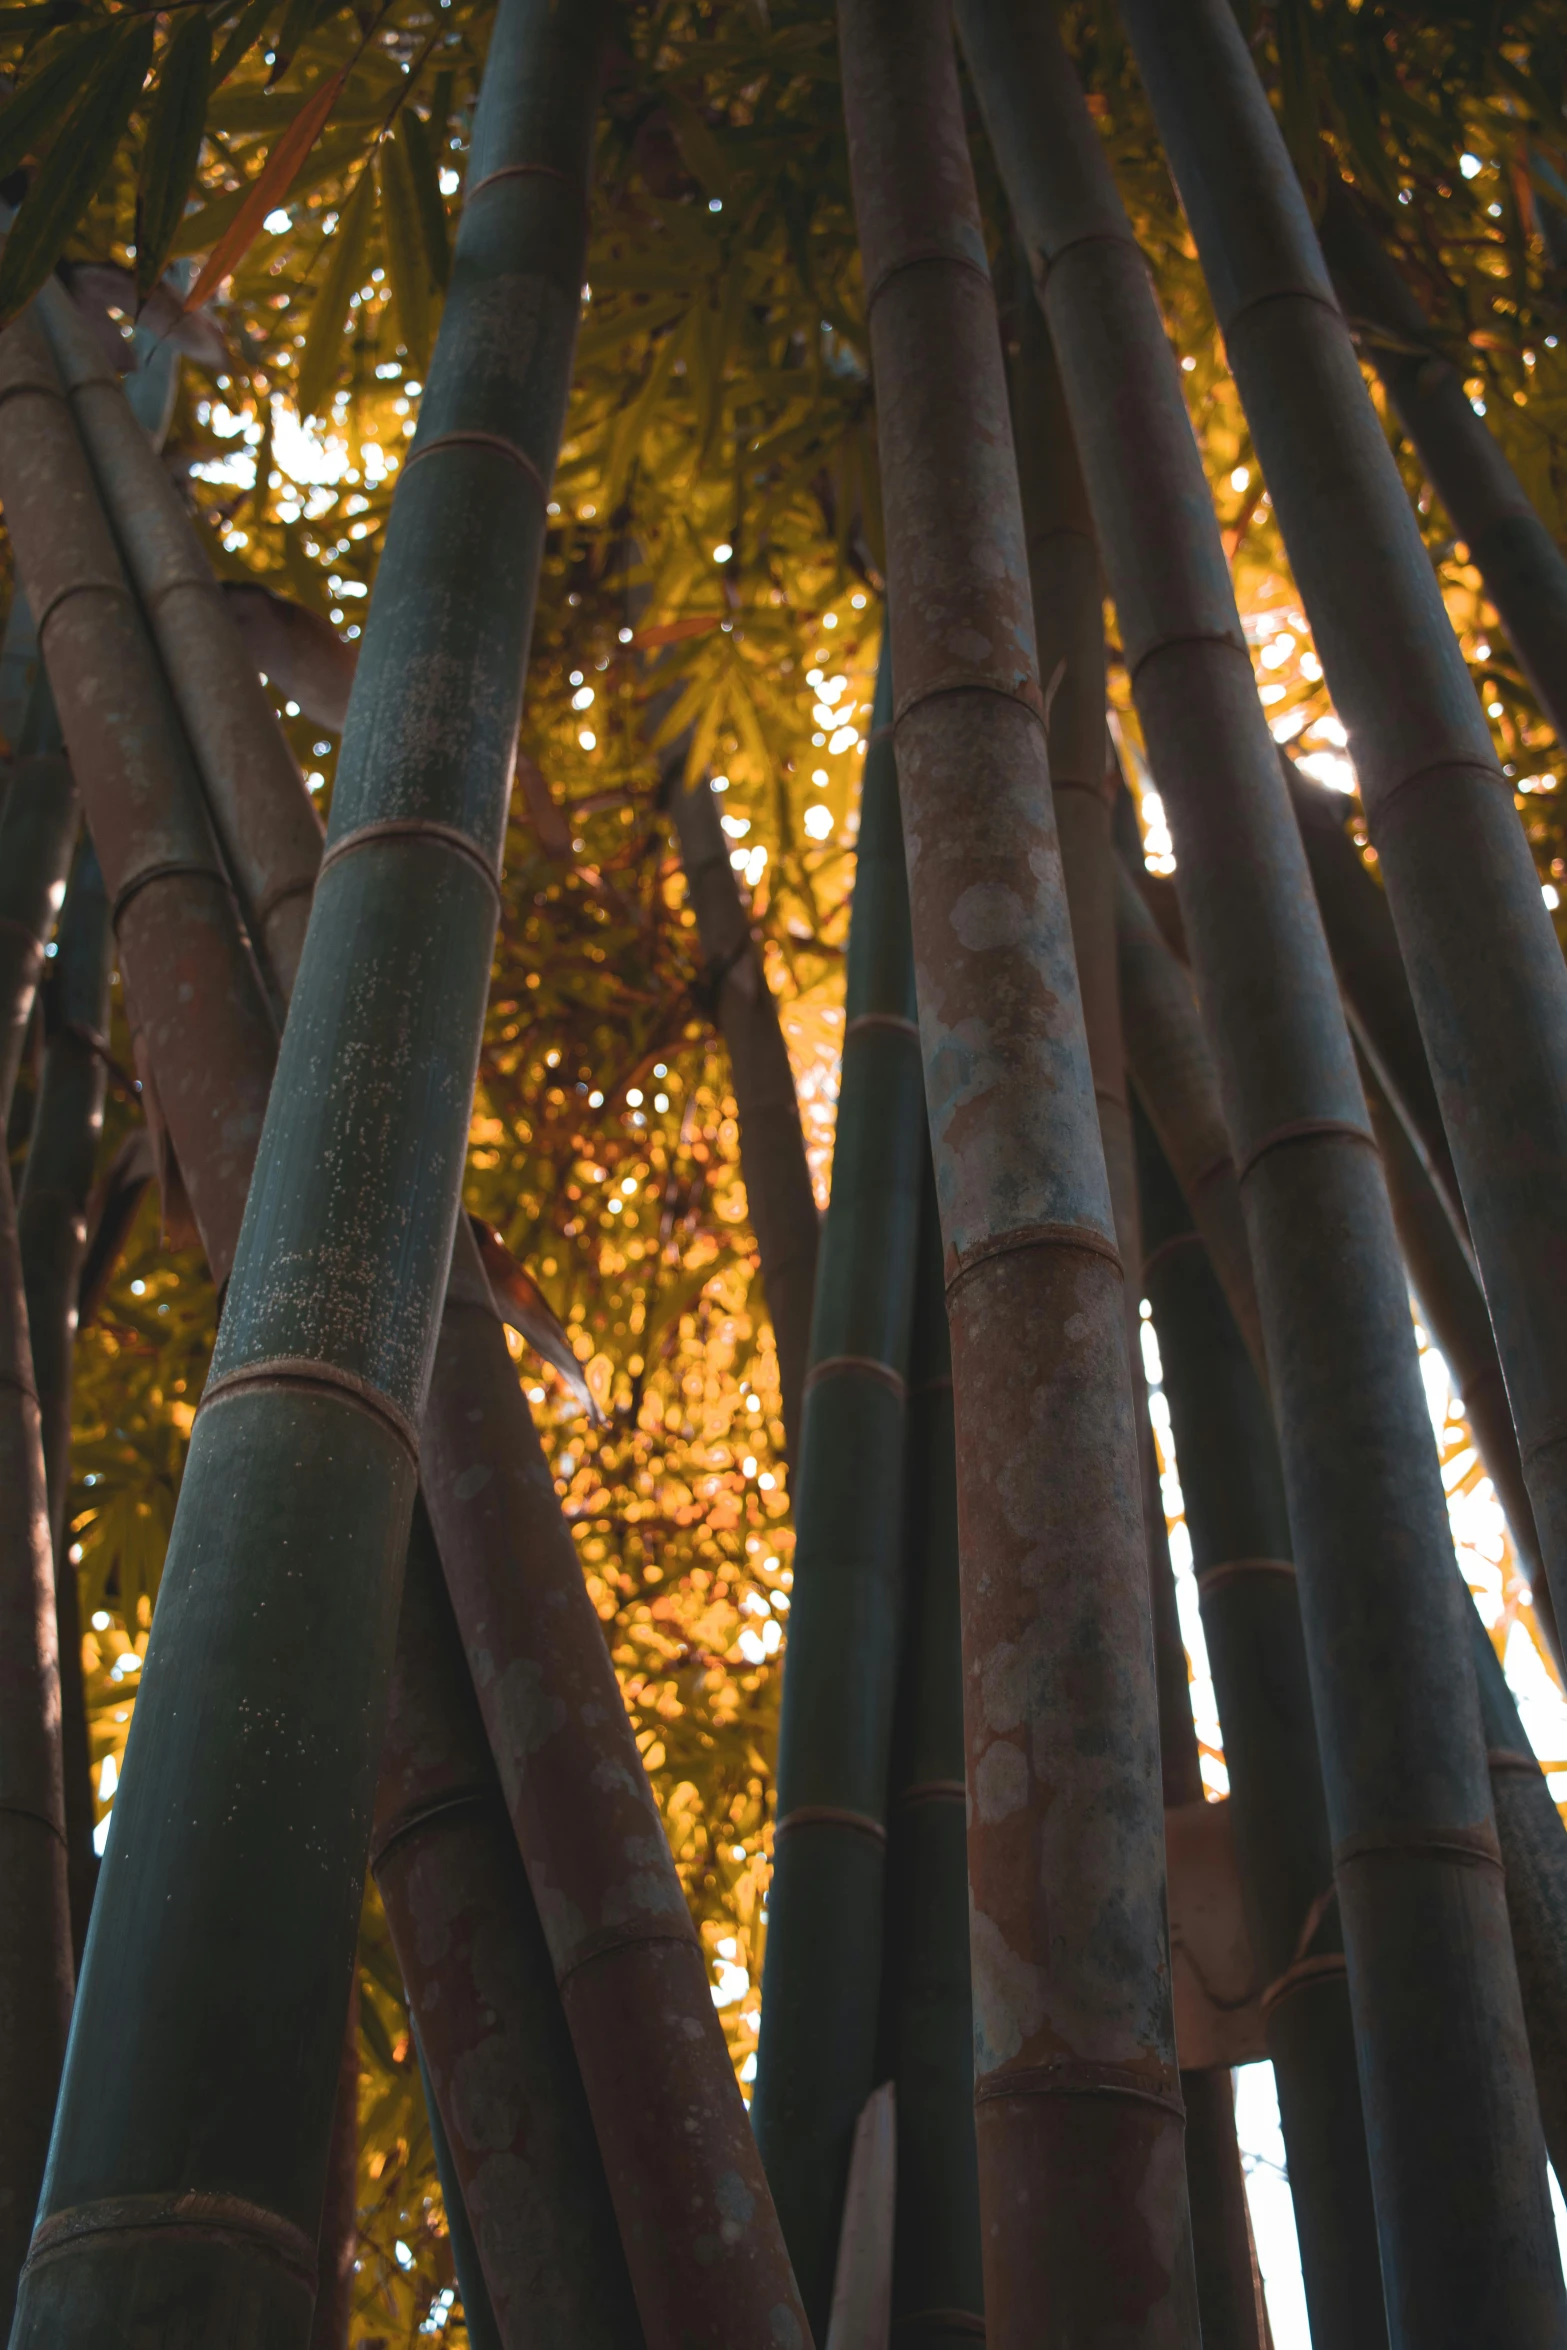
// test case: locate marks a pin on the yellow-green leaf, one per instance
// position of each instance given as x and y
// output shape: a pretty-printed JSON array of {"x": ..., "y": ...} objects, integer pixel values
[
  {"x": 173, "y": 146},
  {"x": 74, "y": 169},
  {"x": 46, "y": 96},
  {"x": 425, "y": 176},
  {"x": 406, "y": 264},
  {"x": 344, "y": 260}
]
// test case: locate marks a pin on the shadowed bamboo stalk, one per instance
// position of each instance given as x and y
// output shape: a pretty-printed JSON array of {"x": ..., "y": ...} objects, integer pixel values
[
  {"x": 37, "y": 827},
  {"x": 243, "y": 1824},
  {"x": 1068, "y": 607},
  {"x": 1456, "y": 2155},
  {"x": 263, "y": 815},
  {"x": 339, "y": 2239},
  {"x": 492, "y": 2038},
  {"x": 779, "y": 1198},
  {"x": 1484, "y": 965},
  {"x": 478, "y": 2316},
  {"x": 1078, "y": 2107},
  {"x": 51, "y": 1214},
  {"x": 1524, "y": 570},
  {"x": 1233, "y": 1489},
  {"x": 927, "y": 2020},
  {"x": 35, "y": 1923},
  {"x": 816, "y": 2060}
]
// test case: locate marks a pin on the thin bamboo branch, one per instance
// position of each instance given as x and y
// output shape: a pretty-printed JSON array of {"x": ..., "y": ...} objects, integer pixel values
[
  {"x": 1085, "y": 2222},
  {"x": 35, "y": 1923},
  {"x": 816, "y": 2056},
  {"x": 1457, "y": 2159}
]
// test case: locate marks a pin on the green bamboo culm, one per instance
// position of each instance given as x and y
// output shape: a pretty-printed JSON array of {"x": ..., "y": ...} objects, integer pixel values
[
  {"x": 37, "y": 827},
  {"x": 817, "y": 2051},
  {"x": 1233, "y": 1489},
  {"x": 478, "y": 2315},
  {"x": 242, "y": 1825},
  {"x": 927, "y": 2016},
  {"x": 1524, "y": 570},
  {"x": 35, "y": 1925},
  {"x": 51, "y": 1211}
]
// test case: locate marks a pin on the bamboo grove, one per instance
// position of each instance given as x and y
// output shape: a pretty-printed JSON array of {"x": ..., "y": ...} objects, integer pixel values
[{"x": 749, "y": 752}]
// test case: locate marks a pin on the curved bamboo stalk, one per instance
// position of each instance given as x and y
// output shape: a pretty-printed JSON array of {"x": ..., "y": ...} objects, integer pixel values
[
  {"x": 1485, "y": 968},
  {"x": 199, "y": 1012},
  {"x": 1086, "y": 2227},
  {"x": 37, "y": 827},
  {"x": 816, "y": 2060},
  {"x": 244, "y": 1821},
  {"x": 779, "y": 1197},
  {"x": 1465, "y": 2229},
  {"x": 35, "y": 1922},
  {"x": 491, "y": 2034},
  {"x": 270, "y": 831},
  {"x": 478, "y": 2316},
  {"x": 1524, "y": 570},
  {"x": 1233, "y": 1488},
  {"x": 702, "y": 2242},
  {"x": 51, "y": 1215},
  {"x": 1068, "y": 608},
  {"x": 927, "y": 2014}
]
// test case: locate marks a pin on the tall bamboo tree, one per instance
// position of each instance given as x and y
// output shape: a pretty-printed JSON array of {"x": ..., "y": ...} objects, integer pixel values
[
  {"x": 338, "y": 2244},
  {"x": 37, "y": 826},
  {"x": 1524, "y": 570},
  {"x": 1484, "y": 965},
  {"x": 1456, "y": 2154},
  {"x": 1063, "y": 563},
  {"x": 245, "y": 1822},
  {"x": 492, "y": 2038},
  {"x": 35, "y": 1925},
  {"x": 1233, "y": 1488},
  {"x": 927, "y": 2015},
  {"x": 1078, "y": 2106},
  {"x": 779, "y": 1197},
  {"x": 817, "y": 2053},
  {"x": 51, "y": 1212}
]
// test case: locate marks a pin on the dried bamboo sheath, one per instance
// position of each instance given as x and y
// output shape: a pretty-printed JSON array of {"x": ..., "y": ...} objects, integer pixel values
[
  {"x": 1456, "y": 2156},
  {"x": 1078, "y": 2116},
  {"x": 1453, "y": 855}
]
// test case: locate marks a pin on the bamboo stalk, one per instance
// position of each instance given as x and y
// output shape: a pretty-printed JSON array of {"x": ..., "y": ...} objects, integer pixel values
[
  {"x": 701, "y": 2237},
  {"x": 35, "y": 1923},
  {"x": 492, "y": 2037},
  {"x": 332, "y": 2322},
  {"x": 1467, "y": 2243},
  {"x": 263, "y": 815},
  {"x": 779, "y": 1198},
  {"x": 1083, "y": 2200},
  {"x": 1484, "y": 964},
  {"x": 816, "y": 2059},
  {"x": 37, "y": 827},
  {"x": 478, "y": 2316},
  {"x": 242, "y": 1824},
  {"x": 1233, "y": 1488},
  {"x": 51, "y": 1213},
  {"x": 1524, "y": 571},
  {"x": 1069, "y": 623},
  {"x": 927, "y": 2016}
]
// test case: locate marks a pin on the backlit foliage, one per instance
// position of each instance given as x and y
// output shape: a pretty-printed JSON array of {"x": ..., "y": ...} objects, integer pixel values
[{"x": 711, "y": 583}]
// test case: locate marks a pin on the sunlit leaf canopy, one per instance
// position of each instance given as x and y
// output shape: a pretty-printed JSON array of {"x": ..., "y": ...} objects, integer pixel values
[{"x": 712, "y": 583}]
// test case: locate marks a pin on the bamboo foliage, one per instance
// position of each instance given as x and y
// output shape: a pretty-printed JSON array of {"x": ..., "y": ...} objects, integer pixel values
[
  {"x": 1055, "y": 1630},
  {"x": 1404, "y": 1770},
  {"x": 816, "y": 2058},
  {"x": 324, "y": 1352}
]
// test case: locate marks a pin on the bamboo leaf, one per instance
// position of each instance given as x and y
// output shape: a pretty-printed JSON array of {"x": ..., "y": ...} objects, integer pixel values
[
  {"x": 300, "y": 18},
  {"x": 431, "y": 204},
  {"x": 698, "y": 146},
  {"x": 323, "y": 346},
  {"x": 173, "y": 146},
  {"x": 46, "y": 96},
  {"x": 247, "y": 31},
  {"x": 406, "y": 267},
  {"x": 73, "y": 170},
  {"x": 520, "y": 1302},
  {"x": 269, "y": 187}
]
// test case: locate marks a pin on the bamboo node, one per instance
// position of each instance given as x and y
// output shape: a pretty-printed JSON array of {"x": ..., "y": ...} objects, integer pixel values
[
  {"x": 41, "y": 1819},
  {"x": 307, "y": 1371},
  {"x": 1474, "y": 1847},
  {"x": 893, "y": 1020},
  {"x": 1084, "y": 1237},
  {"x": 25, "y": 1387},
  {"x": 933, "y": 1791},
  {"x": 173, "y": 869},
  {"x": 838, "y": 1366},
  {"x": 461, "y": 439},
  {"x": 947, "y": 2321},
  {"x": 521, "y": 171},
  {"x": 1083, "y": 2076},
  {"x": 1231, "y": 1570},
  {"x": 1231, "y": 640},
  {"x": 829, "y": 1815},
  {"x": 185, "y": 2212},
  {"x": 1027, "y": 696},
  {"x": 478, "y": 1798},
  {"x": 1376, "y": 809},
  {"x": 1173, "y": 1247},
  {"x": 1302, "y": 1130},
  {"x": 391, "y": 828},
  {"x": 916, "y": 258},
  {"x": 1507, "y": 1758},
  {"x": 1295, "y": 1977}
]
